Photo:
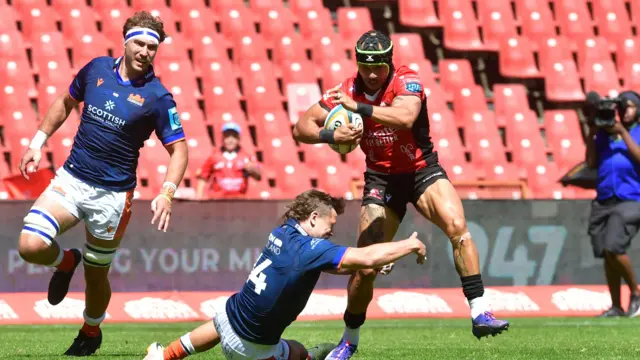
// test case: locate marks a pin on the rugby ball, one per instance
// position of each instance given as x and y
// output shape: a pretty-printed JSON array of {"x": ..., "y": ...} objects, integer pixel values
[{"x": 337, "y": 117}]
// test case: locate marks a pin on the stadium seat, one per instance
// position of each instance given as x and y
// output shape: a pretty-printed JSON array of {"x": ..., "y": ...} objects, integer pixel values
[
  {"x": 237, "y": 21},
  {"x": 258, "y": 73},
  {"x": 333, "y": 180},
  {"x": 292, "y": 178},
  {"x": 627, "y": 54},
  {"x": 274, "y": 24},
  {"x": 317, "y": 155},
  {"x": 418, "y": 13},
  {"x": 301, "y": 7},
  {"x": 12, "y": 46},
  {"x": 352, "y": 23},
  {"x": 212, "y": 49},
  {"x": 192, "y": 121},
  {"x": 612, "y": 20},
  {"x": 451, "y": 156},
  {"x": 78, "y": 21},
  {"x": 248, "y": 49},
  {"x": 279, "y": 150},
  {"x": 299, "y": 98},
  {"x": 537, "y": 21},
  {"x": 9, "y": 18},
  {"x": 290, "y": 47},
  {"x": 553, "y": 50},
  {"x": 407, "y": 47},
  {"x": 469, "y": 100},
  {"x": 168, "y": 18},
  {"x": 220, "y": 6},
  {"x": 574, "y": 20},
  {"x": 455, "y": 74},
  {"x": 111, "y": 20},
  {"x": 602, "y": 78},
  {"x": 460, "y": 26},
  {"x": 592, "y": 50},
  {"x": 260, "y": 190},
  {"x": 442, "y": 123},
  {"x": 16, "y": 88},
  {"x": 483, "y": 141},
  {"x": 542, "y": 180},
  {"x": 436, "y": 97},
  {"x": 270, "y": 124},
  {"x": 197, "y": 21},
  {"x": 314, "y": 23},
  {"x": 299, "y": 72},
  {"x": 327, "y": 48},
  {"x": 174, "y": 48},
  {"x": 87, "y": 48},
  {"x": 516, "y": 58},
  {"x": 564, "y": 137},
  {"x": 424, "y": 68},
  {"x": 497, "y": 22},
  {"x": 508, "y": 99},
  {"x": 562, "y": 82},
  {"x": 35, "y": 20},
  {"x": 50, "y": 53},
  {"x": 221, "y": 97},
  {"x": 525, "y": 141}
]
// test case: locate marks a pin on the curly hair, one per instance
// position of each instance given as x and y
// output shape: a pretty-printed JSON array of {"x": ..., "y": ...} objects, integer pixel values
[
  {"x": 144, "y": 19},
  {"x": 313, "y": 200}
]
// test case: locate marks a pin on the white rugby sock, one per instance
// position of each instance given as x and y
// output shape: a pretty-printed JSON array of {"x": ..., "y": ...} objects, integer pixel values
[
  {"x": 91, "y": 321},
  {"x": 185, "y": 341},
  {"x": 478, "y": 306},
  {"x": 352, "y": 336}
]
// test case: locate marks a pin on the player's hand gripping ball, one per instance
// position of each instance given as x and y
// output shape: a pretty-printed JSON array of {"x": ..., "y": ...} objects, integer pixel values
[{"x": 337, "y": 117}]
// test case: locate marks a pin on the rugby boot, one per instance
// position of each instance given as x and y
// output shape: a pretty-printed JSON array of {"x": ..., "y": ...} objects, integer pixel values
[
  {"x": 155, "y": 351},
  {"x": 343, "y": 351},
  {"x": 320, "y": 351},
  {"x": 84, "y": 345},
  {"x": 60, "y": 280},
  {"x": 486, "y": 324},
  {"x": 634, "y": 306},
  {"x": 613, "y": 312}
]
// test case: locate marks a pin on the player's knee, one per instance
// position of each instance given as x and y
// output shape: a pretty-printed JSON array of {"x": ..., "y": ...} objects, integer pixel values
[
  {"x": 97, "y": 257},
  {"x": 457, "y": 229},
  {"x": 367, "y": 275},
  {"x": 30, "y": 247}
]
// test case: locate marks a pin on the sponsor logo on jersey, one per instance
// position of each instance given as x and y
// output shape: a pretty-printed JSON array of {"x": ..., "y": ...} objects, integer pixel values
[
  {"x": 375, "y": 193},
  {"x": 315, "y": 242},
  {"x": 105, "y": 116},
  {"x": 100, "y": 82},
  {"x": 136, "y": 99},
  {"x": 414, "y": 87},
  {"x": 380, "y": 137},
  {"x": 174, "y": 119}
]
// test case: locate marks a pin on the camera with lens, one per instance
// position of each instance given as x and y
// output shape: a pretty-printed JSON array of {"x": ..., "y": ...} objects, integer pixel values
[{"x": 605, "y": 111}]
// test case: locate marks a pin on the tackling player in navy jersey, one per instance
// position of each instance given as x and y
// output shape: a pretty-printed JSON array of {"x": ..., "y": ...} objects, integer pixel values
[
  {"x": 280, "y": 284},
  {"x": 123, "y": 104}
]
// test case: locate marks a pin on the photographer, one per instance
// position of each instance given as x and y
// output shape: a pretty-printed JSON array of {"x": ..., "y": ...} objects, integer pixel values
[{"x": 613, "y": 148}]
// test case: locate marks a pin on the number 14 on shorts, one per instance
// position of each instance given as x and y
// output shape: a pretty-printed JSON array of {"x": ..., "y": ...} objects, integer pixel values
[{"x": 257, "y": 277}]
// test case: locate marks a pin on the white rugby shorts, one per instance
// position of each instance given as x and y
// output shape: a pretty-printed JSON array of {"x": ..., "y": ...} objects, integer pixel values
[
  {"x": 236, "y": 348},
  {"x": 105, "y": 213}
]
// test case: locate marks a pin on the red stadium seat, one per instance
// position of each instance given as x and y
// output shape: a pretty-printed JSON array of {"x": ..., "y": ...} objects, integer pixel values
[
  {"x": 562, "y": 82},
  {"x": 112, "y": 19},
  {"x": 221, "y": 97},
  {"x": 292, "y": 178},
  {"x": 332, "y": 179},
  {"x": 592, "y": 50},
  {"x": 145, "y": 5},
  {"x": 220, "y": 6},
  {"x": 212, "y": 49},
  {"x": 407, "y": 47},
  {"x": 8, "y": 19},
  {"x": 299, "y": 98},
  {"x": 352, "y": 23},
  {"x": 327, "y": 48},
  {"x": 249, "y": 49},
  {"x": 602, "y": 78},
  {"x": 436, "y": 97},
  {"x": 460, "y": 26},
  {"x": 290, "y": 47},
  {"x": 196, "y": 20},
  {"x": 258, "y": 73},
  {"x": 574, "y": 20},
  {"x": 237, "y": 21},
  {"x": 78, "y": 21},
  {"x": 612, "y": 20},
  {"x": 537, "y": 21},
  {"x": 455, "y": 74},
  {"x": 314, "y": 23},
  {"x": 12, "y": 46},
  {"x": 627, "y": 54},
  {"x": 469, "y": 100},
  {"x": 279, "y": 150},
  {"x": 219, "y": 74},
  {"x": 48, "y": 48},
  {"x": 260, "y": 190},
  {"x": 173, "y": 47},
  {"x": 87, "y": 48},
  {"x": 553, "y": 50},
  {"x": 442, "y": 123},
  {"x": 564, "y": 138},
  {"x": 168, "y": 18},
  {"x": 335, "y": 73},
  {"x": 524, "y": 139},
  {"x": 497, "y": 22},
  {"x": 318, "y": 155},
  {"x": 274, "y": 24},
  {"x": 516, "y": 58},
  {"x": 301, "y": 7},
  {"x": 22, "y": 87},
  {"x": 299, "y": 72},
  {"x": 543, "y": 179},
  {"x": 36, "y": 18},
  {"x": 508, "y": 100},
  {"x": 483, "y": 141},
  {"x": 424, "y": 68},
  {"x": 451, "y": 156},
  {"x": 418, "y": 13},
  {"x": 270, "y": 124}
]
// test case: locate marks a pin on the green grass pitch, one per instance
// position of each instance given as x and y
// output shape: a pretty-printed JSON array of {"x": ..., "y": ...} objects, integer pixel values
[{"x": 528, "y": 339}]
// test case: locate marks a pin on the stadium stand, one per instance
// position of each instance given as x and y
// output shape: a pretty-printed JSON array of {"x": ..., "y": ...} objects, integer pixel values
[{"x": 504, "y": 80}]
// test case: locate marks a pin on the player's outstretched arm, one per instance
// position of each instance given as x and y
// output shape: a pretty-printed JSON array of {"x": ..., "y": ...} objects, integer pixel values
[
  {"x": 54, "y": 118},
  {"x": 178, "y": 161},
  {"x": 378, "y": 255}
]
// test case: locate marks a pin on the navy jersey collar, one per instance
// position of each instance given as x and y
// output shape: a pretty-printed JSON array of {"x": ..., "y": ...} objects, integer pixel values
[
  {"x": 293, "y": 223},
  {"x": 138, "y": 81}
]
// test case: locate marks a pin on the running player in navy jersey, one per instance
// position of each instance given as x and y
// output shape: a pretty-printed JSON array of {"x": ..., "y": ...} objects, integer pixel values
[
  {"x": 280, "y": 284},
  {"x": 124, "y": 104}
]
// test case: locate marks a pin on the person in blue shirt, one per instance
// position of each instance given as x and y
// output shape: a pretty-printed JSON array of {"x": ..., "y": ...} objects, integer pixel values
[
  {"x": 615, "y": 213},
  {"x": 280, "y": 284},
  {"x": 123, "y": 104}
]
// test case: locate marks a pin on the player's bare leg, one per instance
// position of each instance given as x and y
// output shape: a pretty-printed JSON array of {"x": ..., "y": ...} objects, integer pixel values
[
  {"x": 36, "y": 245},
  {"x": 97, "y": 258},
  {"x": 441, "y": 205},
  {"x": 377, "y": 224}
]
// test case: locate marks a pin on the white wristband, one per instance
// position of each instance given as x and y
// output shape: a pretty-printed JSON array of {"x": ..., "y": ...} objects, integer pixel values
[
  {"x": 170, "y": 184},
  {"x": 38, "y": 140}
]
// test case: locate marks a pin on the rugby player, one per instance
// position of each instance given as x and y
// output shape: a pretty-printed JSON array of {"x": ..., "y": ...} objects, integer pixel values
[
  {"x": 124, "y": 104},
  {"x": 280, "y": 284},
  {"x": 402, "y": 168}
]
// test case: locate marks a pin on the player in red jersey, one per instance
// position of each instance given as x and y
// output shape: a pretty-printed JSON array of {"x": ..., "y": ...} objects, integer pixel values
[{"x": 402, "y": 168}]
